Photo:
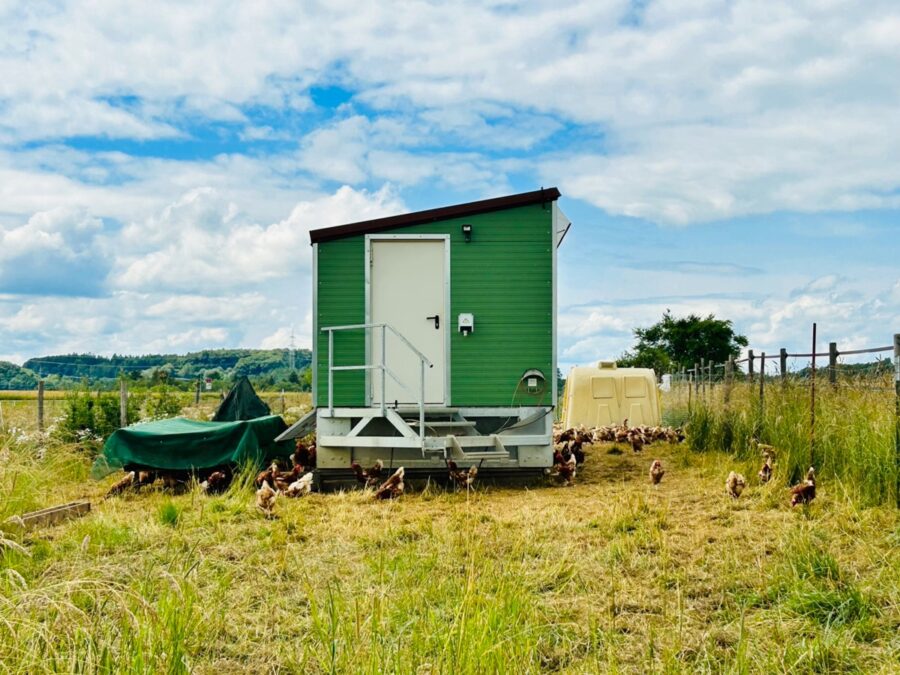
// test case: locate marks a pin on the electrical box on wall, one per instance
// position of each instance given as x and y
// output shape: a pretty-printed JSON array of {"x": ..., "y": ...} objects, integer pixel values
[
  {"x": 466, "y": 324},
  {"x": 534, "y": 381}
]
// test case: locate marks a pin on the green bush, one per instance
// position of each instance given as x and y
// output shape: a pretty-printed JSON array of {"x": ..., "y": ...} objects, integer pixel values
[
  {"x": 163, "y": 402},
  {"x": 93, "y": 414}
]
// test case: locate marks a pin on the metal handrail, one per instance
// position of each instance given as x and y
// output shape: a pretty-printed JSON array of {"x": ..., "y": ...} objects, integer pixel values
[
  {"x": 380, "y": 366},
  {"x": 382, "y": 325}
]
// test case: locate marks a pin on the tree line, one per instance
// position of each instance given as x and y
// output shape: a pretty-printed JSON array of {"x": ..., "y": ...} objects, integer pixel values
[{"x": 264, "y": 367}]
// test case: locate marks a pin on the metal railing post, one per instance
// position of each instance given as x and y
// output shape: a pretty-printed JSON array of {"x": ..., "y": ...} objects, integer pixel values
[
  {"x": 782, "y": 364},
  {"x": 422, "y": 401},
  {"x": 832, "y": 363},
  {"x": 385, "y": 371},
  {"x": 331, "y": 373},
  {"x": 383, "y": 374}
]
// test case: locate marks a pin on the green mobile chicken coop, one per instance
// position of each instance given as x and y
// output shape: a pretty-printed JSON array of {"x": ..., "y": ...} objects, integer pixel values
[{"x": 435, "y": 337}]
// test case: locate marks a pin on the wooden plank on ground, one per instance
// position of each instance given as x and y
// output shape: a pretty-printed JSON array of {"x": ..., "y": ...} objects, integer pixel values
[{"x": 55, "y": 514}]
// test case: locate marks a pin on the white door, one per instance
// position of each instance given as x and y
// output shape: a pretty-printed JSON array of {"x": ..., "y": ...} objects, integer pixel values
[{"x": 408, "y": 292}]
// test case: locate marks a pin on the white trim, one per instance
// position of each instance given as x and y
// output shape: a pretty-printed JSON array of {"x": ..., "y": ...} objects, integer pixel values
[
  {"x": 554, "y": 224},
  {"x": 560, "y": 226},
  {"x": 315, "y": 324},
  {"x": 450, "y": 323},
  {"x": 367, "y": 291},
  {"x": 447, "y": 309}
]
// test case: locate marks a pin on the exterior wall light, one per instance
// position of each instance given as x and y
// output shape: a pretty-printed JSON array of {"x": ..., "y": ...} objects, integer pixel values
[{"x": 467, "y": 232}]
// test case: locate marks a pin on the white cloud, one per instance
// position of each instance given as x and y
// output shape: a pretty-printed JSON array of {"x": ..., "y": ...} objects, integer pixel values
[
  {"x": 697, "y": 112},
  {"x": 357, "y": 149},
  {"x": 196, "y": 273},
  {"x": 203, "y": 242},
  {"x": 592, "y": 322},
  {"x": 55, "y": 252},
  {"x": 280, "y": 339},
  {"x": 60, "y": 231},
  {"x": 49, "y": 118},
  {"x": 126, "y": 188},
  {"x": 205, "y": 309},
  {"x": 669, "y": 111},
  {"x": 853, "y": 314},
  {"x": 212, "y": 337},
  {"x": 26, "y": 319}
]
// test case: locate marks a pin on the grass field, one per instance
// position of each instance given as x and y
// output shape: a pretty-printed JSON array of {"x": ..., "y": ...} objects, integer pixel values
[
  {"x": 611, "y": 575},
  {"x": 854, "y": 440}
]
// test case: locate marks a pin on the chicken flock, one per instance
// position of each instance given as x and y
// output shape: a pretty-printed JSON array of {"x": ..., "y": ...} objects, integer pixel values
[
  {"x": 568, "y": 456},
  {"x": 568, "y": 446}
]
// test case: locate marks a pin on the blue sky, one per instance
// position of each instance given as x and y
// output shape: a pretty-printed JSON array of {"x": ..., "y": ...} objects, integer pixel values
[{"x": 161, "y": 166}]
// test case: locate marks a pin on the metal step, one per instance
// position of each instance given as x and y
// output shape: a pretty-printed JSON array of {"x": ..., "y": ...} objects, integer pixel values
[
  {"x": 429, "y": 410},
  {"x": 476, "y": 447},
  {"x": 442, "y": 424},
  {"x": 476, "y": 441},
  {"x": 461, "y": 455},
  {"x": 483, "y": 455}
]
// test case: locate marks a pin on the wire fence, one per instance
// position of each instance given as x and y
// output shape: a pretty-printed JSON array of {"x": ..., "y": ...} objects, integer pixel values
[
  {"x": 833, "y": 408},
  {"x": 38, "y": 410}
]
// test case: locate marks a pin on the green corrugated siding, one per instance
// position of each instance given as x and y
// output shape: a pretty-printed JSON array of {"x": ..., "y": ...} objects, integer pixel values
[
  {"x": 504, "y": 277},
  {"x": 341, "y": 280}
]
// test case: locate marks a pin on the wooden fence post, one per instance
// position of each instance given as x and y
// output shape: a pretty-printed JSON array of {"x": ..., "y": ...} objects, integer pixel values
[
  {"x": 702, "y": 376},
  {"x": 197, "y": 393},
  {"x": 696, "y": 379},
  {"x": 762, "y": 388},
  {"x": 282, "y": 401},
  {"x": 729, "y": 378},
  {"x": 690, "y": 387},
  {"x": 782, "y": 365},
  {"x": 832, "y": 363},
  {"x": 812, "y": 401},
  {"x": 750, "y": 367},
  {"x": 40, "y": 405},
  {"x": 123, "y": 403},
  {"x": 897, "y": 412}
]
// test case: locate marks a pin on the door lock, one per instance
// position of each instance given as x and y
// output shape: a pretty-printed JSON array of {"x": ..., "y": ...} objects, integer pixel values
[{"x": 437, "y": 320}]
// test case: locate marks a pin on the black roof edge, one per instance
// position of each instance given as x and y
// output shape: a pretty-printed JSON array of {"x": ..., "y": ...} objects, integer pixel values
[{"x": 443, "y": 213}]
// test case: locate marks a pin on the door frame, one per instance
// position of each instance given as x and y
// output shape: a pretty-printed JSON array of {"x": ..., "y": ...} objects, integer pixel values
[{"x": 369, "y": 238}]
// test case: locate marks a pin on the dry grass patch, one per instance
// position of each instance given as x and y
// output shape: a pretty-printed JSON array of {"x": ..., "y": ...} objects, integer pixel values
[{"x": 609, "y": 575}]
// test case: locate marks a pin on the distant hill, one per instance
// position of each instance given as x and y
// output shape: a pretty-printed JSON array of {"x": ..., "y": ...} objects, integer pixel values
[
  {"x": 265, "y": 367},
  {"x": 15, "y": 377}
]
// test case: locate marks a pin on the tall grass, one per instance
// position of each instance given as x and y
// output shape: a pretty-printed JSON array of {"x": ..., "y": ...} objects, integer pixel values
[
  {"x": 853, "y": 442},
  {"x": 611, "y": 575}
]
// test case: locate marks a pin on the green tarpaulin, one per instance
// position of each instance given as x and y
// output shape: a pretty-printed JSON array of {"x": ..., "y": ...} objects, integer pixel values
[
  {"x": 242, "y": 403},
  {"x": 183, "y": 444}
]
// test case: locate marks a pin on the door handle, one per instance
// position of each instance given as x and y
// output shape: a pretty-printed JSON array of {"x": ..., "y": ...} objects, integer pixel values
[{"x": 437, "y": 320}]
